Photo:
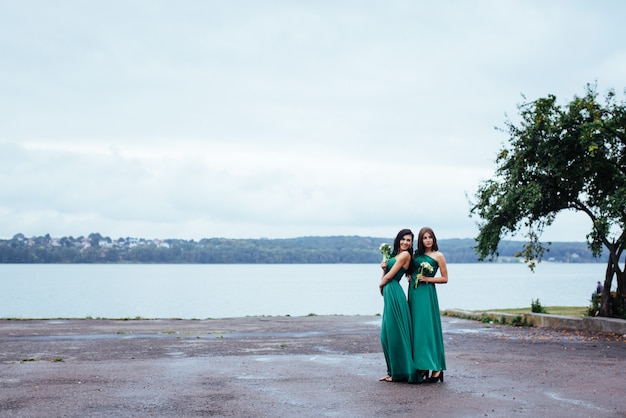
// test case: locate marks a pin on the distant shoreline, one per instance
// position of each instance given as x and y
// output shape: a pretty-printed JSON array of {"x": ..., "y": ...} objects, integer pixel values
[
  {"x": 139, "y": 318},
  {"x": 97, "y": 249}
]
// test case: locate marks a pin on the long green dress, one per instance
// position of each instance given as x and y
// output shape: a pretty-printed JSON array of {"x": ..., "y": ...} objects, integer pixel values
[
  {"x": 428, "y": 352},
  {"x": 395, "y": 333}
]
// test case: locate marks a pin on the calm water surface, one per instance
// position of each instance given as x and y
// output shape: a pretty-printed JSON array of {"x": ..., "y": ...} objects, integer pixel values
[{"x": 235, "y": 290}]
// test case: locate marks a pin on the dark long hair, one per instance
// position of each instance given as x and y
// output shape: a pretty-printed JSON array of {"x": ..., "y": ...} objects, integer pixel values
[
  {"x": 420, "y": 243},
  {"x": 396, "y": 246}
]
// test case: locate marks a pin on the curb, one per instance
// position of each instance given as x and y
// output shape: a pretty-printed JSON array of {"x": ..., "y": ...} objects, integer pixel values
[{"x": 591, "y": 324}]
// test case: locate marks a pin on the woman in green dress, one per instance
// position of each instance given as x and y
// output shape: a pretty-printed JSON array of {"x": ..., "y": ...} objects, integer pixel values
[
  {"x": 428, "y": 352},
  {"x": 395, "y": 334}
]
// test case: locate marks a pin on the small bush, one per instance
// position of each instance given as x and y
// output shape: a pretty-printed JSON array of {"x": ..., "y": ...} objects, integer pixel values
[
  {"x": 535, "y": 307},
  {"x": 519, "y": 322},
  {"x": 594, "y": 309}
]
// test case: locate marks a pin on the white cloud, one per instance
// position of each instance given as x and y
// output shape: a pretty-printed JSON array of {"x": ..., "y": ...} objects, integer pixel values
[{"x": 276, "y": 119}]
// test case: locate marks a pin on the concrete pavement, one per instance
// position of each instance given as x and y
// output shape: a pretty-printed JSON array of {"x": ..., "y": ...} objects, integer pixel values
[{"x": 317, "y": 366}]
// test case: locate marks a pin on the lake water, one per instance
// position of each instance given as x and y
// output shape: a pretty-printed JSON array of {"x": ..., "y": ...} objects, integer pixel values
[{"x": 202, "y": 291}]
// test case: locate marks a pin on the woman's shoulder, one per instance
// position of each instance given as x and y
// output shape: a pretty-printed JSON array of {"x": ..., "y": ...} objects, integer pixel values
[
  {"x": 403, "y": 255},
  {"x": 404, "y": 258},
  {"x": 438, "y": 255}
]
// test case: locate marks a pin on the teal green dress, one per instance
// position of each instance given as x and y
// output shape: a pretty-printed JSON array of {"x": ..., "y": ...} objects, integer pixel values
[
  {"x": 428, "y": 352},
  {"x": 395, "y": 333}
]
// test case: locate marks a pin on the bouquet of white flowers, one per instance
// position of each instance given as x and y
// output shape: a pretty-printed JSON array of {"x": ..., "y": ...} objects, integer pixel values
[
  {"x": 424, "y": 267},
  {"x": 385, "y": 250}
]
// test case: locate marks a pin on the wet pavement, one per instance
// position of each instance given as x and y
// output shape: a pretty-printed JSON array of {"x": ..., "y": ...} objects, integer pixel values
[{"x": 317, "y": 366}]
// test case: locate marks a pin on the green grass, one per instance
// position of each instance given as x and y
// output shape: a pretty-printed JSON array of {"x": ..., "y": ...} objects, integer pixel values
[{"x": 577, "y": 311}]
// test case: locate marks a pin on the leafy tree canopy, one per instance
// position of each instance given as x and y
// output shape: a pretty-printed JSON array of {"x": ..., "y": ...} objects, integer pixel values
[{"x": 570, "y": 157}]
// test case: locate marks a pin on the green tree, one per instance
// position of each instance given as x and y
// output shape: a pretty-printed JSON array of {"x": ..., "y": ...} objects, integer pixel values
[
  {"x": 95, "y": 238},
  {"x": 561, "y": 158}
]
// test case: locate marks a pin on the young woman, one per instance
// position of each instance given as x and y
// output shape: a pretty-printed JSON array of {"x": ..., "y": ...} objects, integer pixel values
[
  {"x": 428, "y": 352},
  {"x": 395, "y": 333}
]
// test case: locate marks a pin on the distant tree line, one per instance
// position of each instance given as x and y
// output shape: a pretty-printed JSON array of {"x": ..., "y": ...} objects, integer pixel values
[{"x": 95, "y": 248}]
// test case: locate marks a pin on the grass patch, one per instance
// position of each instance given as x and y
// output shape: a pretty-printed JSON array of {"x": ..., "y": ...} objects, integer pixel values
[{"x": 576, "y": 311}]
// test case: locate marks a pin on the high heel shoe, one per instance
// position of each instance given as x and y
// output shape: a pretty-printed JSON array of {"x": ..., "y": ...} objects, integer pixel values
[{"x": 434, "y": 379}]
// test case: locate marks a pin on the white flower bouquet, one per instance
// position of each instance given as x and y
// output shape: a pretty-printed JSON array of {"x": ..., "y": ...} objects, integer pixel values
[
  {"x": 424, "y": 267},
  {"x": 385, "y": 250}
]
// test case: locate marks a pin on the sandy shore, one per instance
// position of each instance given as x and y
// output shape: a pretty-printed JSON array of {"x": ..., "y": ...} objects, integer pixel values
[{"x": 299, "y": 367}]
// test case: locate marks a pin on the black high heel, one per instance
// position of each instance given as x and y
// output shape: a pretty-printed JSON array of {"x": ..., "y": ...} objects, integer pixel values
[{"x": 434, "y": 379}]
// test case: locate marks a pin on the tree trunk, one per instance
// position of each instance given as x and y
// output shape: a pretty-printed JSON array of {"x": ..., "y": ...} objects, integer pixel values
[
  {"x": 609, "y": 306},
  {"x": 605, "y": 299},
  {"x": 619, "y": 310}
]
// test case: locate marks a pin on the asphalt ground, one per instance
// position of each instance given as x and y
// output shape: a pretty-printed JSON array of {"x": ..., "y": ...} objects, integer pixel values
[{"x": 317, "y": 366}]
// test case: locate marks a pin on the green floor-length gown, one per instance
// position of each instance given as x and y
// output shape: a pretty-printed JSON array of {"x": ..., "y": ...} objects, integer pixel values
[
  {"x": 395, "y": 333},
  {"x": 428, "y": 353}
]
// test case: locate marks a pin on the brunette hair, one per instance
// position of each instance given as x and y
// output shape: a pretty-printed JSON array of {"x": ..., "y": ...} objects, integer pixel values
[
  {"x": 396, "y": 246},
  {"x": 420, "y": 243}
]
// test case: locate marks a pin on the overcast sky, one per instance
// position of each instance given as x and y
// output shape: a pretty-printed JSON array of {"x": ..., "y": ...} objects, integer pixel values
[{"x": 249, "y": 119}]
